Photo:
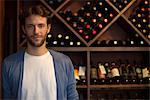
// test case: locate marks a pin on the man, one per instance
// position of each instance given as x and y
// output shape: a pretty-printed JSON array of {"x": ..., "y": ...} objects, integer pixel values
[{"x": 37, "y": 73}]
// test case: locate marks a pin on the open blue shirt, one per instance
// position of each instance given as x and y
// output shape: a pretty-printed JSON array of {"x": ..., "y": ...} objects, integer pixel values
[{"x": 12, "y": 76}]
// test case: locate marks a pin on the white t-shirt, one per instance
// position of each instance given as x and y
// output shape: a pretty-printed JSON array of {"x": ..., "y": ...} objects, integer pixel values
[{"x": 39, "y": 82}]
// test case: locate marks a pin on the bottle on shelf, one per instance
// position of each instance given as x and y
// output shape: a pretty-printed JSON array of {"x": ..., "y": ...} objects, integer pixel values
[
  {"x": 66, "y": 40},
  {"x": 49, "y": 39},
  {"x": 131, "y": 72},
  {"x": 101, "y": 74},
  {"x": 90, "y": 19},
  {"x": 54, "y": 3},
  {"x": 138, "y": 70},
  {"x": 124, "y": 72},
  {"x": 141, "y": 18},
  {"x": 109, "y": 43},
  {"x": 138, "y": 41},
  {"x": 115, "y": 73},
  {"x": 88, "y": 6},
  {"x": 120, "y": 4},
  {"x": 82, "y": 75},
  {"x": 145, "y": 74},
  {"x": 94, "y": 75},
  {"x": 59, "y": 39},
  {"x": 97, "y": 43},
  {"x": 109, "y": 79},
  {"x": 115, "y": 43},
  {"x": 76, "y": 74},
  {"x": 68, "y": 16},
  {"x": 81, "y": 12}
]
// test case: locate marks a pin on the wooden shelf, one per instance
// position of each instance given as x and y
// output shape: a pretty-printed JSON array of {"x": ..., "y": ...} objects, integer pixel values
[
  {"x": 82, "y": 86},
  {"x": 109, "y": 49},
  {"x": 120, "y": 86},
  {"x": 116, "y": 86}
]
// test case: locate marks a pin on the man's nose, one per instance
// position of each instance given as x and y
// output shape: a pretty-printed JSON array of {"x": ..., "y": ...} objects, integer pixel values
[{"x": 36, "y": 30}]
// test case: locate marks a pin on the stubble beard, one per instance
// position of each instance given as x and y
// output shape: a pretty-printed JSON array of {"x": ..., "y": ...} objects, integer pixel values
[{"x": 34, "y": 43}]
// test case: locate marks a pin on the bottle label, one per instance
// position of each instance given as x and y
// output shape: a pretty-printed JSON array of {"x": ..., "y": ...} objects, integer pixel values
[
  {"x": 115, "y": 72},
  {"x": 145, "y": 72},
  {"x": 102, "y": 69},
  {"x": 93, "y": 73},
  {"x": 138, "y": 70},
  {"x": 82, "y": 70}
]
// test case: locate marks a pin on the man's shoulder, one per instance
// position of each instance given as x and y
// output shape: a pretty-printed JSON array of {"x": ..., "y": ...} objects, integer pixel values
[
  {"x": 58, "y": 54},
  {"x": 14, "y": 56}
]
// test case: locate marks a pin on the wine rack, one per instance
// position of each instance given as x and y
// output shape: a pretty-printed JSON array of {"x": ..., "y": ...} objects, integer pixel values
[
  {"x": 96, "y": 32},
  {"x": 141, "y": 18}
]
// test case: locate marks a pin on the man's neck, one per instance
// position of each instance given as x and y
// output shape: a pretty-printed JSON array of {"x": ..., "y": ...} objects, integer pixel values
[{"x": 36, "y": 51}]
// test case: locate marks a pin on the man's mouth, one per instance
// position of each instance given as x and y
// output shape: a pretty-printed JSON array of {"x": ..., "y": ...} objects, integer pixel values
[{"x": 36, "y": 37}]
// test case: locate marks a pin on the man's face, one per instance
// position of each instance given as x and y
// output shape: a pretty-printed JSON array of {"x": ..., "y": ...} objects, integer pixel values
[{"x": 36, "y": 30}]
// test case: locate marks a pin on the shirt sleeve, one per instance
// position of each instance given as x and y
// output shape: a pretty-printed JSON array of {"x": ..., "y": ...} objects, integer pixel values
[
  {"x": 5, "y": 82},
  {"x": 72, "y": 93}
]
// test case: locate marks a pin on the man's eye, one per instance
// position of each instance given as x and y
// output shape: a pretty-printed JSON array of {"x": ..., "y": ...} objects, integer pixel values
[
  {"x": 40, "y": 25},
  {"x": 30, "y": 26}
]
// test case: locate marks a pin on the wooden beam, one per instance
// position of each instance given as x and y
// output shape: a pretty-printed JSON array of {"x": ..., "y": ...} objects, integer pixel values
[{"x": 1, "y": 40}]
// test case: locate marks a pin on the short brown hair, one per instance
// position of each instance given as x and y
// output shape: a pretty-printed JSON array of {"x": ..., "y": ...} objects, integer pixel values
[{"x": 34, "y": 10}]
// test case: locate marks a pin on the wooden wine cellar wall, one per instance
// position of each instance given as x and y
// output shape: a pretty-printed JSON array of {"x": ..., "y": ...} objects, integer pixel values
[
  {"x": 1, "y": 39},
  {"x": 95, "y": 33}
]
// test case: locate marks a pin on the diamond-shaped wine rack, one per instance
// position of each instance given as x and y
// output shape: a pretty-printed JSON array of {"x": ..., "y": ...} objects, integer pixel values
[
  {"x": 62, "y": 36},
  {"x": 90, "y": 19},
  {"x": 54, "y": 3},
  {"x": 141, "y": 18},
  {"x": 120, "y": 4}
]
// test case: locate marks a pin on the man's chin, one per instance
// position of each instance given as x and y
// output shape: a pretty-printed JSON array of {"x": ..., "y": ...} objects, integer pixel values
[{"x": 36, "y": 44}]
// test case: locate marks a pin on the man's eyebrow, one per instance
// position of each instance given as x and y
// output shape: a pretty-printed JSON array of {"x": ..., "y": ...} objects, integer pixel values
[
  {"x": 41, "y": 24},
  {"x": 36, "y": 24}
]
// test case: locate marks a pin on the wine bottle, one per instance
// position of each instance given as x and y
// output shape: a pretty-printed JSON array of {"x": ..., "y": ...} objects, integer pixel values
[
  {"x": 49, "y": 39},
  {"x": 94, "y": 76},
  {"x": 75, "y": 20},
  {"x": 101, "y": 73},
  {"x": 54, "y": 3},
  {"x": 141, "y": 16},
  {"x": 92, "y": 18},
  {"x": 88, "y": 6},
  {"x": 131, "y": 73},
  {"x": 99, "y": 5},
  {"x": 82, "y": 75},
  {"x": 55, "y": 43},
  {"x": 68, "y": 15},
  {"x": 81, "y": 12},
  {"x": 108, "y": 73},
  {"x": 67, "y": 40},
  {"x": 120, "y": 4},
  {"x": 78, "y": 43},
  {"x": 139, "y": 41},
  {"x": 76, "y": 74},
  {"x": 145, "y": 74},
  {"x": 130, "y": 41},
  {"x": 116, "y": 43},
  {"x": 115, "y": 73},
  {"x": 59, "y": 39},
  {"x": 124, "y": 72},
  {"x": 138, "y": 72}
]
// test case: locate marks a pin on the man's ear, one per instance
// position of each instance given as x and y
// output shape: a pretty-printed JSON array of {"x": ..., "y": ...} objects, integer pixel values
[{"x": 48, "y": 28}]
